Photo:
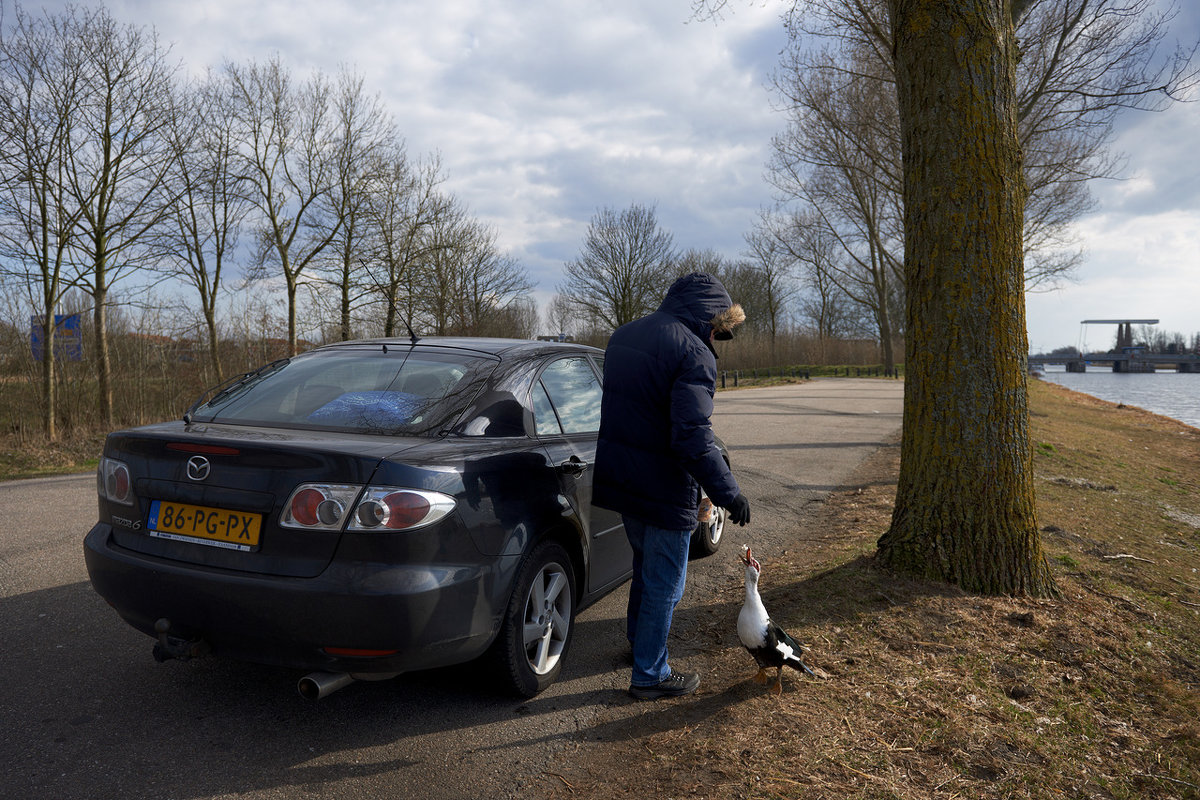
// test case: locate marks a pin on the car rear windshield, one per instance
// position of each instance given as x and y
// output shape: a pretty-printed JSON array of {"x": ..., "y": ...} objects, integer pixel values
[{"x": 394, "y": 391}]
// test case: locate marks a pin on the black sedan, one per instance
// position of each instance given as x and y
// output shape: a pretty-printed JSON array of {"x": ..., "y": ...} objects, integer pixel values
[{"x": 370, "y": 508}]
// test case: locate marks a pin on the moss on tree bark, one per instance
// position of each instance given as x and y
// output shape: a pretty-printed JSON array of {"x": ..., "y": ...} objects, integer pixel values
[{"x": 965, "y": 502}]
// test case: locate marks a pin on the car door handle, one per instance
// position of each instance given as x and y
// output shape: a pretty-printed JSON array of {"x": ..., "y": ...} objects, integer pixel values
[{"x": 573, "y": 466}]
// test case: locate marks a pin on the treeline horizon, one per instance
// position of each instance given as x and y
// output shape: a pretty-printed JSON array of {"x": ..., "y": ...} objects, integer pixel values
[{"x": 159, "y": 376}]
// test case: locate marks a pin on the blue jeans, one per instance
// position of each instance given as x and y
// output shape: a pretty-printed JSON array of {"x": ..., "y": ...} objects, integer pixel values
[{"x": 660, "y": 559}]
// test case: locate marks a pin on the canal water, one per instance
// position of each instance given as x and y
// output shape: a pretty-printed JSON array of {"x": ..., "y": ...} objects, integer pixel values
[{"x": 1172, "y": 394}]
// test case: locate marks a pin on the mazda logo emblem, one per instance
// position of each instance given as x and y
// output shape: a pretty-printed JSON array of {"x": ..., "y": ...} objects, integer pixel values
[{"x": 198, "y": 468}]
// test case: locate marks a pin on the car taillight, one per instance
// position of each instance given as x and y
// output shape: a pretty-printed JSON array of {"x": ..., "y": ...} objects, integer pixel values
[
  {"x": 319, "y": 506},
  {"x": 304, "y": 506},
  {"x": 385, "y": 508},
  {"x": 113, "y": 481}
]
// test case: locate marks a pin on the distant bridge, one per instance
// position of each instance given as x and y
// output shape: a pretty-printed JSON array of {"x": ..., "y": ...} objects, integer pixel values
[
  {"x": 1121, "y": 362},
  {"x": 1128, "y": 358}
]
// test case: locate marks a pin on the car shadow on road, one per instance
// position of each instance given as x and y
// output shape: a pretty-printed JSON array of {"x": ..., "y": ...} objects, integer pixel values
[{"x": 88, "y": 713}]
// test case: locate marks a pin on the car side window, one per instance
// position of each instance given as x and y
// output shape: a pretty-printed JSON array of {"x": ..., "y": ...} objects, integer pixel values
[
  {"x": 544, "y": 417},
  {"x": 574, "y": 391}
]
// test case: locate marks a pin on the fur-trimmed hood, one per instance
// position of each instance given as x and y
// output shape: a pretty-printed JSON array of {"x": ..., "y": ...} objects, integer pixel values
[
  {"x": 724, "y": 323},
  {"x": 699, "y": 301}
]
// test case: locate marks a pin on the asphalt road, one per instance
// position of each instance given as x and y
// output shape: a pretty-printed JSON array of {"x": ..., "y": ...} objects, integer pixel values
[{"x": 85, "y": 712}]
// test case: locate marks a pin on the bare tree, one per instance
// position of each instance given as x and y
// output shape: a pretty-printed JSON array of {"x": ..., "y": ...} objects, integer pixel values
[
  {"x": 466, "y": 282},
  {"x": 698, "y": 260},
  {"x": 437, "y": 274},
  {"x": 364, "y": 133},
  {"x": 284, "y": 135},
  {"x": 516, "y": 319},
  {"x": 491, "y": 285},
  {"x": 211, "y": 206},
  {"x": 39, "y": 72},
  {"x": 837, "y": 167},
  {"x": 560, "y": 316},
  {"x": 404, "y": 205},
  {"x": 524, "y": 313},
  {"x": 118, "y": 159},
  {"x": 623, "y": 268},
  {"x": 774, "y": 265},
  {"x": 842, "y": 267},
  {"x": 831, "y": 313},
  {"x": 1082, "y": 61}
]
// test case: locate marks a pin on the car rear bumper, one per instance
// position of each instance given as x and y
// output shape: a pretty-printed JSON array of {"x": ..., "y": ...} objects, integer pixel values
[{"x": 418, "y": 617}]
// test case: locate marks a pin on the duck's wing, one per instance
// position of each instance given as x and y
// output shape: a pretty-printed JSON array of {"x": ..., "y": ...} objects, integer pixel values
[{"x": 789, "y": 650}]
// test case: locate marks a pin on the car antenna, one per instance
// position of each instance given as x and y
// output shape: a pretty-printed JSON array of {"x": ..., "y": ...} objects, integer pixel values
[{"x": 411, "y": 335}]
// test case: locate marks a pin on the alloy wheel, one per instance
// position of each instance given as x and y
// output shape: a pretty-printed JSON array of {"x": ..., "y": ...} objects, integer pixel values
[{"x": 547, "y": 621}]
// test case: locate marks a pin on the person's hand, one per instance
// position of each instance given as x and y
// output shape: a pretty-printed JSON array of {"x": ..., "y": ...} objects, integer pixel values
[{"x": 739, "y": 510}]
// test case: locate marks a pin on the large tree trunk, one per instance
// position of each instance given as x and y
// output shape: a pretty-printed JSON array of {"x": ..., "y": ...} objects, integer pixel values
[{"x": 965, "y": 502}]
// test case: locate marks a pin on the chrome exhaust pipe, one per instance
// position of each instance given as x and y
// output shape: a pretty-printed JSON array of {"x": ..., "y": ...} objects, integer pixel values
[{"x": 316, "y": 685}]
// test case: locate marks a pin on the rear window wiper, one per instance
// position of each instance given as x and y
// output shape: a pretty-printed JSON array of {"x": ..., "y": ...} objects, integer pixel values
[{"x": 225, "y": 389}]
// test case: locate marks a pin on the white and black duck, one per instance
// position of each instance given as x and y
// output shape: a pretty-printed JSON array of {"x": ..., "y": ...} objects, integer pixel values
[{"x": 771, "y": 645}]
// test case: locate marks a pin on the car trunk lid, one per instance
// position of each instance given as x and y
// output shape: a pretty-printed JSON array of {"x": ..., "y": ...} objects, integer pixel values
[{"x": 213, "y": 495}]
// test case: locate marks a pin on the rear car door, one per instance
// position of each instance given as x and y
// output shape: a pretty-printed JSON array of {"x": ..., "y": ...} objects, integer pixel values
[{"x": 566, "y": 407}]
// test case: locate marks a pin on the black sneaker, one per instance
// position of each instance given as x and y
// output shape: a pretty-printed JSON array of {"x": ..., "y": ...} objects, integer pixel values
[{"x": 675, "y": 685}]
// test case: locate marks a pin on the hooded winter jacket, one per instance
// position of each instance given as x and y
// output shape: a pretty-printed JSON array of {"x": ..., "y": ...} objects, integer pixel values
[{"x": 656, "y": 446}]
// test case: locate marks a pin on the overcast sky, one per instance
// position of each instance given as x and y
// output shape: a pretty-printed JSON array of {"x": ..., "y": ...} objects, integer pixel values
[{"x": 544, "y": 111}]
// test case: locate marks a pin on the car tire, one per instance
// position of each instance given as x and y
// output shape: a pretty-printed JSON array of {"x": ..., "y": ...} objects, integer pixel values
[
  {"x": 536, "y": 631},
  {"x": 706, "y": 539}
]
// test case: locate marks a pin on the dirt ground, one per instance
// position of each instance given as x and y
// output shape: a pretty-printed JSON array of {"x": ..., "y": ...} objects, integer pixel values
[{"x": 927, "y": 692}]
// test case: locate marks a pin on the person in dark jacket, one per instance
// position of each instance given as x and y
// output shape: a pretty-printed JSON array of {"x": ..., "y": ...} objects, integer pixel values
[{"x": 655, "y": 452}]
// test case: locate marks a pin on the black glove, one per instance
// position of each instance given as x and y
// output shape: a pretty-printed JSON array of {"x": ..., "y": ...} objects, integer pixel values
[{"x": 739, "y": 510}]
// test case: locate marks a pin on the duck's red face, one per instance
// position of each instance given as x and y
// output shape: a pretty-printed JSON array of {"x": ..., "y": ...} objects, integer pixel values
[{"x": 748, "y": 559}]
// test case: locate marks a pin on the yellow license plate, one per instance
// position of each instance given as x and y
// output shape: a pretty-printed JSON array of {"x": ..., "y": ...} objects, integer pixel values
[{"x": 235, "y": 530}]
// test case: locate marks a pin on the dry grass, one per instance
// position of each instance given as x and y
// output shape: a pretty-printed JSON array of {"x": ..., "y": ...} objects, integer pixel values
[
  {"x": 30, "y": 455},
  {"x": 932, "y": 693}
]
